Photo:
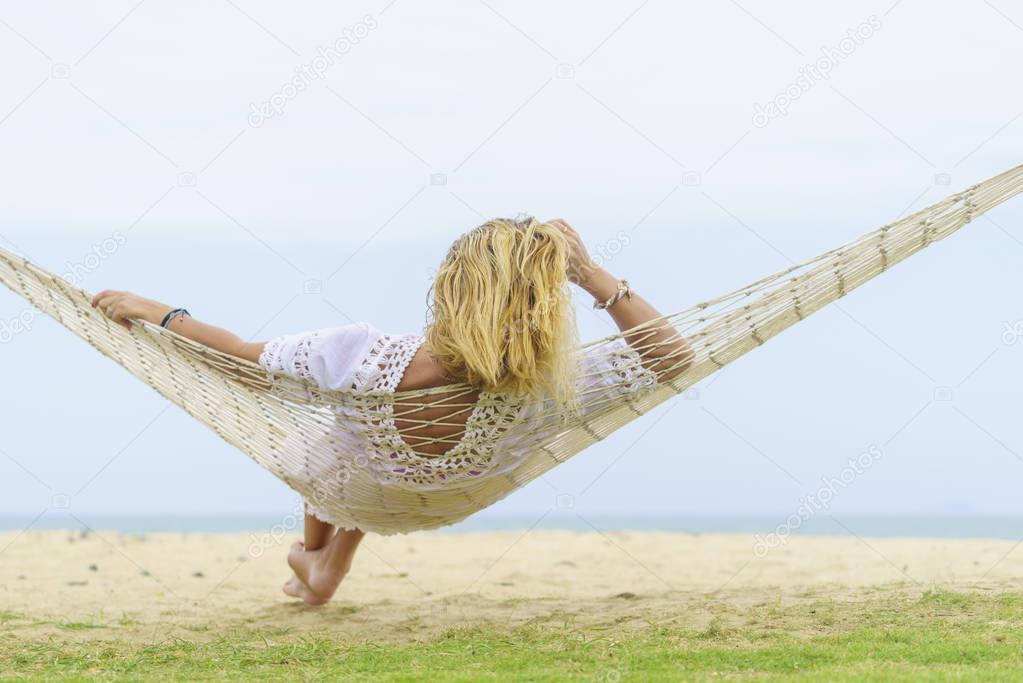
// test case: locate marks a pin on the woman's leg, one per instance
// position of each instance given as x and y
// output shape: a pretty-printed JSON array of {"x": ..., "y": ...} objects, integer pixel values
[
  {"x": 317, "y": 534},
  {"x": 322, "y": 561},
  {"x": 338, "y": 555},
  {"x": 321, "y": 571}
]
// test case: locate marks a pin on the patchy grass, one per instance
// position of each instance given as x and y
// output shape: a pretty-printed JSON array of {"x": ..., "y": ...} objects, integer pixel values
[
  {"x": 79, "y": 625},
  {"x": 939, "y": 636}
]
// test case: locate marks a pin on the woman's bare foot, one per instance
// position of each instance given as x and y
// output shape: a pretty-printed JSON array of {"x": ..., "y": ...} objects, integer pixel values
[
  {"x": 318, "y": 577},
  {"x": 292, "y": 587},
  {"x": 296, "y": 589}
]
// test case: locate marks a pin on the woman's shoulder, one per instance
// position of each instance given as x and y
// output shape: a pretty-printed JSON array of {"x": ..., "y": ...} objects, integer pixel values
[
  {"x": 351, "y": 334},
  {"x": 364, "y": 358},
  {"x": 329, "y": 357}
]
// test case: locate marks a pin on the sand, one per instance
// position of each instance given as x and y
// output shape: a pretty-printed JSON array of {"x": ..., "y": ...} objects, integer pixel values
[{"x": 159, "y": 586}]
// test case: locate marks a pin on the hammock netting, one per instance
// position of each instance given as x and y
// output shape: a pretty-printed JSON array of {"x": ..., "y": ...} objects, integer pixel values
[{"x": 304, "y": 435}]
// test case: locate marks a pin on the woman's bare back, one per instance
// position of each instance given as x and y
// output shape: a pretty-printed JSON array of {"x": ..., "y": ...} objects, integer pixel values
[{"x": 446, "y": 413}]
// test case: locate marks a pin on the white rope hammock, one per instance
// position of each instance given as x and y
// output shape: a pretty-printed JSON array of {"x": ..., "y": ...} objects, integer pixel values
[{"x": 303, "y": 435}]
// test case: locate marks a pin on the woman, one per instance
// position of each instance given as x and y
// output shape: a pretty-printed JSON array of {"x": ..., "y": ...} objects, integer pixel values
[{"x": 502, "y": 324}]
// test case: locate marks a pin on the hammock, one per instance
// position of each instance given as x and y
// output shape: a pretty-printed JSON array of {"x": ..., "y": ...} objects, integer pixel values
[{"x": 293, "y": 429}]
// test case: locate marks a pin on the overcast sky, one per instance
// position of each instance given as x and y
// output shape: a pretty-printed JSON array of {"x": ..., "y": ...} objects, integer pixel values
[{"x": 277, "y": 168}]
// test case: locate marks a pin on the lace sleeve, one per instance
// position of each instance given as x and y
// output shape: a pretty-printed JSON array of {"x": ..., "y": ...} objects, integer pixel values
[
  {"x": 613, "y": 369},
  {"x": 270, "y": 357},
  {"x": 328, "y": 358},
  {"x": 289, "y": 355}
]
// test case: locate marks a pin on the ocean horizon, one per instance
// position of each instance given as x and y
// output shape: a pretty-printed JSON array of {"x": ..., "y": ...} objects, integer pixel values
[{"x": 961, "y": 526}]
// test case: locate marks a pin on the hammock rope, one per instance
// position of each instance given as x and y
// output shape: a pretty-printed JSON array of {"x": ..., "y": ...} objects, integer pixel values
[{"x": 303, "y": 435}]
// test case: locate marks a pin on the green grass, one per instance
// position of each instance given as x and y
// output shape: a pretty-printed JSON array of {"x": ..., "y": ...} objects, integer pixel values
[
  {"x": 6, "y": 617},
  {"x": 937, "y": 637}
]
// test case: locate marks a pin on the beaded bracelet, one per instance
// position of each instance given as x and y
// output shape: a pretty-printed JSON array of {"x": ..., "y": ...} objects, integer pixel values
[{"x": 177, "y": 312}]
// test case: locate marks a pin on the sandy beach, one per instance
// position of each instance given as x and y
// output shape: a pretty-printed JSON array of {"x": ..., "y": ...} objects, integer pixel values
[{"x": 162, "y": 586}]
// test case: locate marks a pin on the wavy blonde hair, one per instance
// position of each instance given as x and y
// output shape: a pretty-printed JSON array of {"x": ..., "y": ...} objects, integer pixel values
[{"x": 502, "y": 317}]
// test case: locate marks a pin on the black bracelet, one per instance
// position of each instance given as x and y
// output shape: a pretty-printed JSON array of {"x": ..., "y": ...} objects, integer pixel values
[{"x": 174, "y": 314}]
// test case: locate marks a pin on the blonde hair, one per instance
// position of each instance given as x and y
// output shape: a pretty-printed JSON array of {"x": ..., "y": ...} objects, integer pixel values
[{"x": 502, "y": 317}]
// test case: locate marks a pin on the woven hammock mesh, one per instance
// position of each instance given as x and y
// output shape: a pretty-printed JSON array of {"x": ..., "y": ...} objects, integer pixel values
[{"x": 294, "y": 429}]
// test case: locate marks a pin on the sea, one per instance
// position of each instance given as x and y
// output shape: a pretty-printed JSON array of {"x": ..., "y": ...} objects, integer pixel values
[{"x": 1009, "y": 528}]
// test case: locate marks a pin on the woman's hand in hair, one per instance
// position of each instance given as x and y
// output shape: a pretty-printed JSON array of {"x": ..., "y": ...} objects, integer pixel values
[
  {"x": 580, "y": 264},
  {"x": 661, "y": 347}
]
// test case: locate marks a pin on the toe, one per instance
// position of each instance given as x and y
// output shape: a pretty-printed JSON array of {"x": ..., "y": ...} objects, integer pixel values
[{"x": 291, "y": 587}]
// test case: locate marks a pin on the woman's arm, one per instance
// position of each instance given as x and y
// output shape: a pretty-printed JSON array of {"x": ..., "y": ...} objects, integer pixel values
[
  {"x": 123, "y": 307},
  {"x": 660, "y": 346}
]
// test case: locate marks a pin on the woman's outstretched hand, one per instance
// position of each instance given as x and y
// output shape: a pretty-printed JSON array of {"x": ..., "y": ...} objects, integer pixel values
[
  {"x": 580, "y": 264},
  {"x": 123, "y": 307}
]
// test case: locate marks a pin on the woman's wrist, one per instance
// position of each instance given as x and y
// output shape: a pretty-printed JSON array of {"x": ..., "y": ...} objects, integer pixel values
[
  {"x": 600, "y": 284},
  {"x": 157, "y": 312}
]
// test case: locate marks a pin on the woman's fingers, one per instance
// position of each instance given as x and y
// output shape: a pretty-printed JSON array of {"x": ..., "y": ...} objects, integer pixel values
[
  {"x": 121, "y": 307},
  {"x": 573, "y": 237},
  {"x": 108, "y": 296},
  {"x": 120, "y": 313},
  {"x": 102, "y": 295},
  {"x": 567, "y": 230},
  {"x": 581, "y": 263},
  {"x": 114, "y": 305},
  {"x": 111, "y": 299},
  {"x": 561, "y": 224},
  {"x": 105, "y": 302}
]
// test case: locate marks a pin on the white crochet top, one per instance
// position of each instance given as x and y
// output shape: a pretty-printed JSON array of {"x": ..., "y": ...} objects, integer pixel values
[{"x": 361, "y": 359}]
